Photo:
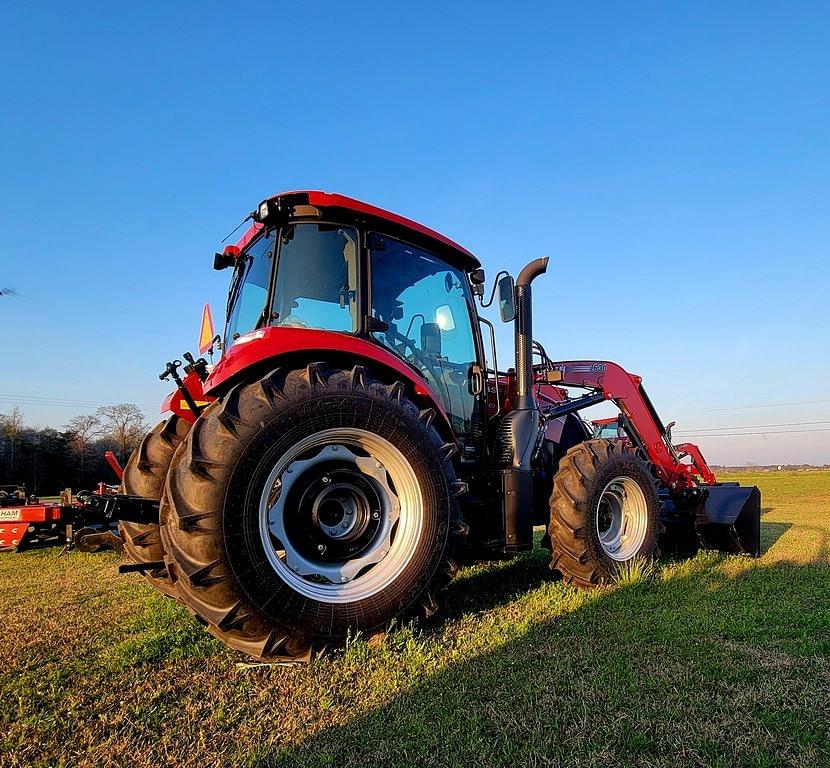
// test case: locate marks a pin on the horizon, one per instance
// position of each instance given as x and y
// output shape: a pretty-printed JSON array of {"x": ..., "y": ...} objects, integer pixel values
[{"x": 674, "y": 165}]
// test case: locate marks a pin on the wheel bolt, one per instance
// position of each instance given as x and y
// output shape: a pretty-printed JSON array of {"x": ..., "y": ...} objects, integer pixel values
[
  {"x": 326, "y": 479},
  {"x": 321, "y": 548},
  {"x": 375, "y": 515},
  {"x": 345, "y": 525}
]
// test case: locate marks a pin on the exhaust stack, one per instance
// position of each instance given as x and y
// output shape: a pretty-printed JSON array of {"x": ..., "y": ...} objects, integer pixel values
[
  {"x": 524, "y": 333},
  {"x": 520, "y": 428}
]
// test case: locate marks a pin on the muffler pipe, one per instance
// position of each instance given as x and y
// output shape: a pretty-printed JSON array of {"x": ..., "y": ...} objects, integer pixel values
[
  {"x": 524, "y": 333},
  {"x": 520, "y": 427}
]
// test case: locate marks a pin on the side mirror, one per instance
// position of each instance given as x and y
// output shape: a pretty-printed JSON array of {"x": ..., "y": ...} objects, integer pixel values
[
  {"x": 227, "y": 258},
  {"x": 507, "y": 299}
]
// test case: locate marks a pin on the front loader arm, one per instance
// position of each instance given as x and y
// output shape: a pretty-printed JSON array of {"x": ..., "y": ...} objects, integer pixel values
[
  {"x": 641, "y": 419},
  {"x": 725, "y": 516}
]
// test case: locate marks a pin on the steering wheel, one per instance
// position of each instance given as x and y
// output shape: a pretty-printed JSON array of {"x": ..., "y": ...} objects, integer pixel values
[
  {"x": 407, "y": 349},
  {"x": 292, "y": 321}
]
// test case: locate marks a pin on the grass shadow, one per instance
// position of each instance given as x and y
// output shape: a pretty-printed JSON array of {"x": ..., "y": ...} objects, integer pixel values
[
  {"x": 486, "y": 586},
  {"x": 723, "y": 667},
  {"x": 770, "y": 533}
]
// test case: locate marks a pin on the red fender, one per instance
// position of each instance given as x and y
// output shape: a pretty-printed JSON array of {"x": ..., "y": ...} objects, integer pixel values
[{"x": 268, "y": 345}]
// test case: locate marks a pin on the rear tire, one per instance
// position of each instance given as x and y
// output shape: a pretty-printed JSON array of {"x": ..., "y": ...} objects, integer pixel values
[
  {"x": 144, "y": 475},
  {"x": 604, "y": 511},
  {"x": 241, "y": 526}
]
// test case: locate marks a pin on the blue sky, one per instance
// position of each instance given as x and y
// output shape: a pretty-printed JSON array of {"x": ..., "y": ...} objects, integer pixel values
[{"x": 673, "y": 160}]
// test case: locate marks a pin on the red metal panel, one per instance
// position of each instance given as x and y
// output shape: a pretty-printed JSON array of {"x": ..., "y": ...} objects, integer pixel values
[
  {"x": 333, "y": 200},
  {"x": 323, "y": 199},
  {"x": 11, "y": 534},
  {"x": 273, "y": 342},
  {"x": 31, "y": 513},
  {"x": 249, "y": 235},
  {"x": 177, "y": 404}
]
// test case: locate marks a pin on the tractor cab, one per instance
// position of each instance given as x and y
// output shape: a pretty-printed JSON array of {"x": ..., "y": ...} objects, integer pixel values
[{"x": 360, "y": 271}]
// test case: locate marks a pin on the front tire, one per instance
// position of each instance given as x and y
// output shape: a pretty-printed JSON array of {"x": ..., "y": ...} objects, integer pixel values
[
  {"x": 604, "y": 512},
  {"x": 307, "y": 506}
]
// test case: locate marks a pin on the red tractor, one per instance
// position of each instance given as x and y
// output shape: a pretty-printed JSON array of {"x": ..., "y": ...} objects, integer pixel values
[{"x": 354, "y": 444}]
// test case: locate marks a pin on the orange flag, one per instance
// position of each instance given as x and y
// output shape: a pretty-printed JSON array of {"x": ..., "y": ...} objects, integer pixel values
[{"x": 206, "y": 333}]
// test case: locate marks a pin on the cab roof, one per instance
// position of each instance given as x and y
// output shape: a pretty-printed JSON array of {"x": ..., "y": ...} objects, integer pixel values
[{"x": 360, "y": 210}]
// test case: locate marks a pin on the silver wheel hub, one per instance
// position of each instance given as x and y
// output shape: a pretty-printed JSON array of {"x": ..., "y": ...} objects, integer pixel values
[
  {"x": 622, "y": 519},
  {"x": 340, "y": 515}
]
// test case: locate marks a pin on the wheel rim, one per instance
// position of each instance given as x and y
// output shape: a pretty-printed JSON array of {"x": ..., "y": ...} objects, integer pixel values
[
  {"x": 341, "y": 515},
  {"x": 622, "y": 518}
]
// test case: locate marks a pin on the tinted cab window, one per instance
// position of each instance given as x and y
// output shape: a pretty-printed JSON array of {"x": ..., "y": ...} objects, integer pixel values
[
  {"x": 249, "y": 290},
  {"x": 426, "y": 304},
  {"x": 316, "y": 284}
]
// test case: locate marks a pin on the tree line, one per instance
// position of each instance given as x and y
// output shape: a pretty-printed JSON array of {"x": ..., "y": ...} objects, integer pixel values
[{"x": 47, "y": 460}]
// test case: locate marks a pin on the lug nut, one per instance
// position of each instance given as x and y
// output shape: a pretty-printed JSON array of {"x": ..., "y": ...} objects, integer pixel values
[
  {"x": 375, "y": 515},
  {"x": 321, "y": 548},
  {"x": 326, "y": 479}
]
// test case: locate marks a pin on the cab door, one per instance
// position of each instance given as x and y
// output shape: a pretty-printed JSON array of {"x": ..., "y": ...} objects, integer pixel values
[{"x": 426, "y": 308}]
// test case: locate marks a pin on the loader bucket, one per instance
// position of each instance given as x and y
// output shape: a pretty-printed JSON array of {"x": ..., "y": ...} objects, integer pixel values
[{"x": 729, "y": 519}]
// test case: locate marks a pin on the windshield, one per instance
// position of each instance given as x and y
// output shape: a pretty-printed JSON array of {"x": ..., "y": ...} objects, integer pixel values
[
  {"x": 316, "y": 283},
  {"x": 249, "y": 289},
  {"x": 426, "y": 305},
  {"x": 317, "y": 278}
]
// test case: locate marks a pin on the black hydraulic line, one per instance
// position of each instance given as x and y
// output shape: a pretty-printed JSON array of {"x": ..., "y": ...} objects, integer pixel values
[{"x": 571, "y": 406}]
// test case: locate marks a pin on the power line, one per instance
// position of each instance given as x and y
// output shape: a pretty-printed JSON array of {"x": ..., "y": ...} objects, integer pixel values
[
  {"x": 751, "y": 426},
  {"x": 145, "y": 408},
  {"x": 761, "y": 405},
  {"x": 64, "y": 401},
  {"x": 752, "y": 434}
]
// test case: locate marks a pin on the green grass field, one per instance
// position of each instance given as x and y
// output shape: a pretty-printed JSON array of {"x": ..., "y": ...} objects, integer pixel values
[{"x": 714, "y": 661}]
